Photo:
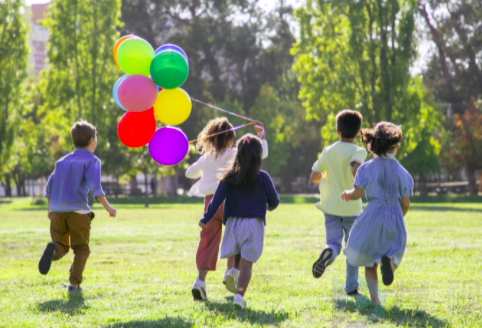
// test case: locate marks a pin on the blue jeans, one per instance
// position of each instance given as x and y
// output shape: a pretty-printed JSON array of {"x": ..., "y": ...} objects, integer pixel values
[{"x": 335, "y": 226}]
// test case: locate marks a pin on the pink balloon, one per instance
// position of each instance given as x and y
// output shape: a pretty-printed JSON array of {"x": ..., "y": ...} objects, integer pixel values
[{"x": 137, "y": 93}]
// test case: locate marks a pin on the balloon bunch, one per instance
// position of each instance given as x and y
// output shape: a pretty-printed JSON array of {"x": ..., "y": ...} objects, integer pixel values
[{"x": 150, "y": 90}]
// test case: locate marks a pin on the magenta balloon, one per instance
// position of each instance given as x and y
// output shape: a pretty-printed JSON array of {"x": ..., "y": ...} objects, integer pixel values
[
  {"x": 137, "y": 93},
  {"x": 168, "y": 146}
]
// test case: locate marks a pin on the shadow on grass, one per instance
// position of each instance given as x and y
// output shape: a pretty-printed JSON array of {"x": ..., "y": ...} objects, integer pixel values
[
  {"x": 444, "y": 208},
  {"x": 73, "y": 305},
  {"x": 395, "y": 315},
  {"x": 160, "y": 323},
  {"x": 247, "y": 315}
]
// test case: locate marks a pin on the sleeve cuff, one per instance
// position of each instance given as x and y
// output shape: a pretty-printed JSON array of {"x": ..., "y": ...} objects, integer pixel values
[
  {"x": 47, "y": 195},
  {"x": 355, "y": 160},
  {"x": 204, "y": 220},
  {"x": 360, "y": 186},
  {"x": 98, "y": 192}
]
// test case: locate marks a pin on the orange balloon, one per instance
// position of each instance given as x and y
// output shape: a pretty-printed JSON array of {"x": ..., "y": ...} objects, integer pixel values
[{"x": 117, "y": 44}]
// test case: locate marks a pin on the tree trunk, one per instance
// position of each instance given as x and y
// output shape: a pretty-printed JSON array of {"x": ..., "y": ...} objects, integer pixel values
[
  {"x": 479, "y": 175},
  {"x": 146, "y": 185},
  {"x": 8, "y": 186},
  {"x": 470, "y": 169},
  {"x": 133, "y": 184},
  {"x": 116, "y": 186}
]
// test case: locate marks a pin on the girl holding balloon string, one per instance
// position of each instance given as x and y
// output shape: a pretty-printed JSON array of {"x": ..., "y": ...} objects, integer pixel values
[{"x": 217, "y": 156}]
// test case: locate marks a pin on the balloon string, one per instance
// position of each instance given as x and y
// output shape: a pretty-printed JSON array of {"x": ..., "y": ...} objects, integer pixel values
[
  {"x": 223, "y": 110},
  {"x": 215, "y": 134}
]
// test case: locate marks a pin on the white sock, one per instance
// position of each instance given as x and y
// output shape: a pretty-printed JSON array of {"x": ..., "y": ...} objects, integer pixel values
[
  {"x": 235, "y": 271},
  {"x": 373, "y": 289}
]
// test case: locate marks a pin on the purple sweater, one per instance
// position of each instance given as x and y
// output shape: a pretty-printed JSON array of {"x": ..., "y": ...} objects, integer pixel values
[
  {"x": 244, "y": 203},
  {"x": 74, "y": 175}
]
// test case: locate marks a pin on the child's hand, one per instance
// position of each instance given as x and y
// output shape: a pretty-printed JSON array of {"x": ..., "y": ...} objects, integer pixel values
[
  {"x": 202, "y": 225},
  {"x": 258, "y": 126},
  {"x": 112, "y": 211},
  {"x": 344, "y": 196}
]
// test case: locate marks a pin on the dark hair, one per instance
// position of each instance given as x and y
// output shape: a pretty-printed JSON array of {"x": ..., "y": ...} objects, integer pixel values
[
  {"x": 245, "y": 168},
  {"x": 349, "y": 123},
  {"x": 382, "y": 137},
  {"x": 81, "y": 133},
  {"x": 218, "y": 143}
]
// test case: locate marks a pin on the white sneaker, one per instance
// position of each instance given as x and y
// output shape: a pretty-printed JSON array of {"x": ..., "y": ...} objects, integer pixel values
[
  {"x": 199, "y": 290},
  {"x": 224, "y": 277},
  {"x": 232, "y": 280},
  {"x": 238, "y": 302}
]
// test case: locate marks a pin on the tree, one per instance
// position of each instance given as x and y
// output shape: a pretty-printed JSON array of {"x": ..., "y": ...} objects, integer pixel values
[
  {"x": 13, "y": 63},
  {"x": 357, "y": 54},
  {"x": 454, "y": 74}
]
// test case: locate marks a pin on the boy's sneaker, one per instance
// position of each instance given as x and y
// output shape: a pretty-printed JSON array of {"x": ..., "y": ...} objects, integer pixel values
[
  {"x": 199, "y": 290},
  {"x": 238, "y": 302},
  {"x": 46, "y": 259},
  {"x": 73, "y": 289},
  {"x": 225, "y": 275},
  {"x": 320, "y": 265},
  {"x": 232, "y": 280},
  {"x": 386, "y": 269},
  {"x": 354, "y": 292}
]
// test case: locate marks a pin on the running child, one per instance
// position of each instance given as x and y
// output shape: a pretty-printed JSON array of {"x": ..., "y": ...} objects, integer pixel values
[
  {"x": 68, "y": 209},
  {"x": 335, "y": 170},
  {"x": 247, "y": 192},
  {"x": 217, "y": 156},
  {"x": 378, "y": 234}
]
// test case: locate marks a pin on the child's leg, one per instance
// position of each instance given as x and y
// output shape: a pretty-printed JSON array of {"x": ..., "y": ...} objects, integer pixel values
[
  {"x": 351, "y": 282},
  {"x": 372, "y": 283},
  {"x": 245, "y": 268},
  {"x": 230, "y": 262},
  {"x": 79, "y": 227},
  {"x": 334, "y": 234},
  {"x": 60, "y": 234}
]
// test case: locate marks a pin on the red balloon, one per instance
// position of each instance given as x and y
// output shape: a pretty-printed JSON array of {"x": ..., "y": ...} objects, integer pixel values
[{"x": 136, "y": 129}]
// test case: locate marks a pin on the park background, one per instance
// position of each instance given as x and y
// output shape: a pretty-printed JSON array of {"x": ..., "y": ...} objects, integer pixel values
[{"x": 290, "y": 64}]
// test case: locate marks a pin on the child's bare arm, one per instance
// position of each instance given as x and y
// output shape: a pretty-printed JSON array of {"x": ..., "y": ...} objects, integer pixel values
[
  {"x": 48, "y": 208},
  {"x": 315, "y": 177},
  {"x": 405, "y": 204},
  {"x": 352, "y": 194},
  {"x": 354, "y": 168},
  {"x": 112, "y": 211}
]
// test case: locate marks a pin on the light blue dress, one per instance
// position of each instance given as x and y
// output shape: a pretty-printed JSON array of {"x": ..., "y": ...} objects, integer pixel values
[{"x": 380, "y": 229}]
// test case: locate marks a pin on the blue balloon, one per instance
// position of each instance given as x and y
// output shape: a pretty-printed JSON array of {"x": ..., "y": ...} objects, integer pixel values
[
  {"x": 173, "y": 47},
  {"x": 114, "y": 91}
]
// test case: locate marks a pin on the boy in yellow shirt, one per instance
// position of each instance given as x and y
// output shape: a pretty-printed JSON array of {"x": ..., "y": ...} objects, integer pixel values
[{"x": 335, "y": 170}]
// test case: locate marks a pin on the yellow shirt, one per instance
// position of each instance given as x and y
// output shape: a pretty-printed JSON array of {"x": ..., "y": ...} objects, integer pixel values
[{"x": 335, "y": 165}]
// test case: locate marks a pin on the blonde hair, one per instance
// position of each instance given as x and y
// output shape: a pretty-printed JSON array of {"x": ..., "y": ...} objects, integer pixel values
[{"x": 218, "y": 143}]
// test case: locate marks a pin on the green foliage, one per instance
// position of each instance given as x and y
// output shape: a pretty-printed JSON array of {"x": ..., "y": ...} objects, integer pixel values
[
  {"x": 357, "y": 54},
  {"x": 13, "y": 69}
]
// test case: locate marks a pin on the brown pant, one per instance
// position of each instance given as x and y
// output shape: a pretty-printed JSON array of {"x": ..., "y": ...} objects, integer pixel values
[{"x": 77, "y": 226}]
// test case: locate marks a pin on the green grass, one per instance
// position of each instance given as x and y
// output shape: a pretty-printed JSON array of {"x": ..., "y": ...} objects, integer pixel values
[{"x": 142, "y": 267}]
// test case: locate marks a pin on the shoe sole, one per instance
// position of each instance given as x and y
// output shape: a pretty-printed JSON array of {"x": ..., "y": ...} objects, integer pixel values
[
  {"x": 320, "y": 265},
  {"x": 230, "y": 285},
  {"x": 238, "y": 307},
  {"x": 386, "y": 269},
  {"x": 46, "y": 259},
  {"x": 198, "y": 294}
]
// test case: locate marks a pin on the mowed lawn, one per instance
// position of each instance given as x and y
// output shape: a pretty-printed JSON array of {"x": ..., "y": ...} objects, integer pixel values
[{"x": 142, "y": 267}]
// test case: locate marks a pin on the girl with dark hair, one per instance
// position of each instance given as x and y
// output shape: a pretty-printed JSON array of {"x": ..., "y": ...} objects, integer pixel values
[
  {"x": 247, "y": 192},
  {"x": 378, "y": 234},
  {"x": 215, "y": 144}
]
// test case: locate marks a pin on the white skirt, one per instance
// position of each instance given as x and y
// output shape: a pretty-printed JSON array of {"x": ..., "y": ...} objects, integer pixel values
[{"x": 243, "y": 236}]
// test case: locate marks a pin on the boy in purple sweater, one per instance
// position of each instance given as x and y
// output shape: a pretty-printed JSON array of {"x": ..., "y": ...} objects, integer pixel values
[{"x": 68, "y": 209}]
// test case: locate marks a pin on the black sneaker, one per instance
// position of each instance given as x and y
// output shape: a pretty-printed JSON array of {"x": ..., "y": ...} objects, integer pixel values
[
  {"x": 320, "y": 265},
  {"x": 46, "y": 259},
  {"x": 354, "y": 292},
  {"x": 73, "y": 289},
  {"x": 386, "y": 270}
]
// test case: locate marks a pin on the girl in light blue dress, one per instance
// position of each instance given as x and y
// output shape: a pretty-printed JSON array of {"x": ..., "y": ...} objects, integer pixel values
[{"x": 378, "y": 234}]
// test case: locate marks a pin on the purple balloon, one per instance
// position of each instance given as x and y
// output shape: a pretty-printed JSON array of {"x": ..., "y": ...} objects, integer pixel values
[{"x": 169, "y": 146}]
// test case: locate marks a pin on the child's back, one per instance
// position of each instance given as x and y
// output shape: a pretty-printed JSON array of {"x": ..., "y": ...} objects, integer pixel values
[{"x": 336, "y": 162}]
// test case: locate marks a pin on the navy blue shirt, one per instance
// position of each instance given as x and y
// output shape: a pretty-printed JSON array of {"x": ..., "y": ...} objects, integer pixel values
[
  {"x": 74, "y": 175},
  {"x": 244, "y": 203}
]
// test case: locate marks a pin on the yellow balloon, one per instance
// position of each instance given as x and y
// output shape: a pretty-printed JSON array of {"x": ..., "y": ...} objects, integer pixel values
[{"x": 172, "y": 106}]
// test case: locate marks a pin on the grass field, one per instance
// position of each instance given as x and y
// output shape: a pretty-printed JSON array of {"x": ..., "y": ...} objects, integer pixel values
[{"x": 142, "y": 267}]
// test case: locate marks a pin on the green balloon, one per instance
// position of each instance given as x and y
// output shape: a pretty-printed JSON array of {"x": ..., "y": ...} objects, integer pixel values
[
  {"x": 134, "y": 56},
  {"x": 169, "y": 69}
]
